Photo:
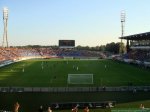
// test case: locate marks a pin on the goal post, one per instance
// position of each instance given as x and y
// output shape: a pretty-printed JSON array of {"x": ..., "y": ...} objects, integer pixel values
[
  {"x": 68, "y": 58},
  {"x": 80, "y": 78}
]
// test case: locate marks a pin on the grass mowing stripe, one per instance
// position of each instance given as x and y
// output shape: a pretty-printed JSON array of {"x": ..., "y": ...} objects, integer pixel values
[{"x": 55, "y": 72}]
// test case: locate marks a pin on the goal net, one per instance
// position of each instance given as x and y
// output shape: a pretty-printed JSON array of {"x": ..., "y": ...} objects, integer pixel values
[
  {"x": 67, "y": 57},
  {"x": 80, "y": 78}
]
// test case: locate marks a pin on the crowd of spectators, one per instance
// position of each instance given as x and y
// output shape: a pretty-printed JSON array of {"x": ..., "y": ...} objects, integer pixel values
[
  {"x": 78, "y": 53},
  {"x": 18, "y": 53},
  {"x": 138, "y": 57},
  {"x": 141, "y": 55},
  {"x": 8, "y": 53}
]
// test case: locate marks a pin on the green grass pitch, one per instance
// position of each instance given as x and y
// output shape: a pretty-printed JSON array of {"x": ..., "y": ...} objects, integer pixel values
[{"x": 54, "y": 73}]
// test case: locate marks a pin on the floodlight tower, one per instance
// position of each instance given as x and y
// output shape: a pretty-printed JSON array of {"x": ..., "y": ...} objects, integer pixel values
[
  {"x": 122, "y": 29},
  {"x": 5, "y": 20}
]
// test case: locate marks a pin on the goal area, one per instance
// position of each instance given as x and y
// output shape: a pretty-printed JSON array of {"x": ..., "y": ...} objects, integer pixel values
[{"x": 80, "y": 78}]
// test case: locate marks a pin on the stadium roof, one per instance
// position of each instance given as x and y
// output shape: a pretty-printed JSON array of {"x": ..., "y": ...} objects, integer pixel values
[{"x": 141, "y": 36}]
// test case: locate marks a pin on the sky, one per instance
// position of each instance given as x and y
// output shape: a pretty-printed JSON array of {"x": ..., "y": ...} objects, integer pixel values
[{"x": 88, "y": 22}]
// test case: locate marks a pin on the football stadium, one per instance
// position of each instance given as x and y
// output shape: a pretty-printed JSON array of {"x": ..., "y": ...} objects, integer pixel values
[{"x": 68, "y": 79}]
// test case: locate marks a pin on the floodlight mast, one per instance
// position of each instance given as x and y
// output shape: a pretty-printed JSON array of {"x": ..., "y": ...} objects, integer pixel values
[
  {"x": 122, "y": 30},
  {"x": 5, "y": 20}
]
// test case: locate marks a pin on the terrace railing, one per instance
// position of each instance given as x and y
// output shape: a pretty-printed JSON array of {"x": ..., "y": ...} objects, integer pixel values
[{"x": 75, "y": 89}]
